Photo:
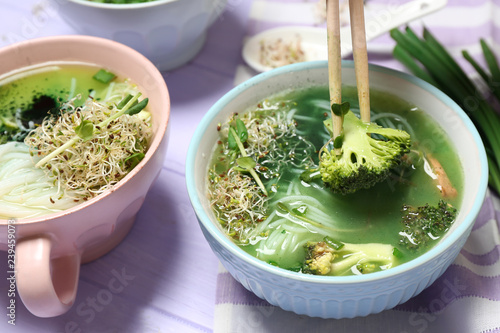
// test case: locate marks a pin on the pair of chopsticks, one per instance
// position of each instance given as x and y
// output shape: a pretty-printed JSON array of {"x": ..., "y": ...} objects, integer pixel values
[{"x": 356, "y": 8}]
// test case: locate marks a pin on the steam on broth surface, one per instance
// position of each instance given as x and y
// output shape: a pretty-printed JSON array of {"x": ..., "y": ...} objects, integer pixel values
[
  {"x": 285, "y": 134},
  {"x": 44, "y": 107}
]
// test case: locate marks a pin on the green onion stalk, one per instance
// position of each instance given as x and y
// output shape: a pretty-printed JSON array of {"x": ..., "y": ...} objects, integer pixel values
[{"x": 428, "y": 59}]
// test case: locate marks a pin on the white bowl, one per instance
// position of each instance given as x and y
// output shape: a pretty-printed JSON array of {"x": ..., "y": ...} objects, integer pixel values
[{"x": 168, "y": 32}]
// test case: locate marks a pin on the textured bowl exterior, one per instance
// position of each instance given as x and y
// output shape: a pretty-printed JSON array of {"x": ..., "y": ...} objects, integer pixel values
[
  {"x": 168, "y": 32},
  {"x": 331, "y": 300},
  {"x": 345, "y": 296}
]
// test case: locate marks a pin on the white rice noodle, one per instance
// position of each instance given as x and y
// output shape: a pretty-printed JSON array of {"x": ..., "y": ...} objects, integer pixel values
[
  {"x": 26, "y": 191},
  {"x": 282, "y": 240}
]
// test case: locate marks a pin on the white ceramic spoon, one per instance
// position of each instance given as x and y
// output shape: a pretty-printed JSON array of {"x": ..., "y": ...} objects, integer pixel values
[{"x": 313, "y": 39}]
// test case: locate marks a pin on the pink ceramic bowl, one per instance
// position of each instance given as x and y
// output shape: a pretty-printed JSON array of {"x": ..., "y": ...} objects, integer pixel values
[{"x": 50, "y": 249}]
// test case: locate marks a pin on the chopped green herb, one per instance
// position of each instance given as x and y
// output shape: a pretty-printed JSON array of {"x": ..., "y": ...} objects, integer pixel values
[
  {"x": 104, "y": 76},
  {"x": 241, "y": 130},
  {"x": 136, "y": 108},
  {"x": 124, "y": 101}
]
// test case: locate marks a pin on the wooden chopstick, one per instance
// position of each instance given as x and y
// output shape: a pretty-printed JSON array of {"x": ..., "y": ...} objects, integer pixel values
[
  {"x": 360, "y": 54},
  {"x": 334, "y": 61}
]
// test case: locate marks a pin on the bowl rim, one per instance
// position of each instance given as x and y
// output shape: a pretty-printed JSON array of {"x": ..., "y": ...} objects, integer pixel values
[
  {"x": 119, "y": 48},
  {"x": 230, "y": 246},
  {"x": 121, "y": 6}
]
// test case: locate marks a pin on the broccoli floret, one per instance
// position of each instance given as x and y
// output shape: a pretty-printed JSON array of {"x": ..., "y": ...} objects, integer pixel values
[
  {"x": 423, "y": 225},
  {"x": 364, "y": 159},
  {"x": 329, "y": 255},
  {"x": 319, "y": 258}
]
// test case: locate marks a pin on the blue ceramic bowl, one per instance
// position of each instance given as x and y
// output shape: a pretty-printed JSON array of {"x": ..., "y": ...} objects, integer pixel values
[{"x": 344, "y": 296}]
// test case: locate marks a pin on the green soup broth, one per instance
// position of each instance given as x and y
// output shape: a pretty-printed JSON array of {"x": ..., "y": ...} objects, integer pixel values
[
  {"x": 367, "y": 216},
  {"x": 35, "y": 91}
]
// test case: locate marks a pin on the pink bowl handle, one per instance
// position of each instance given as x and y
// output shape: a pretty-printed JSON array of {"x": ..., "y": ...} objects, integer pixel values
[{"x": 46, "y": 286}]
